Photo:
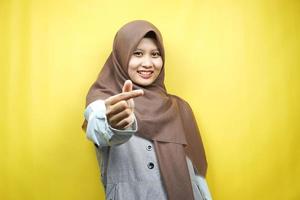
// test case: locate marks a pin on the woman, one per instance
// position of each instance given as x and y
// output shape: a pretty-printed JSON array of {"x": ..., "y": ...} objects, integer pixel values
[{"x": 147, "y": 141}]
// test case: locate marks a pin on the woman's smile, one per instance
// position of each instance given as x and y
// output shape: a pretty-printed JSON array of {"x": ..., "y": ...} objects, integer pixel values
[{"x": 146, "y": 74}]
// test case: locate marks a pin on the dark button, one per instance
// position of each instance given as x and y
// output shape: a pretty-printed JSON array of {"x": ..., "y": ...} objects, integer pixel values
[
  {"x": 150, "y": 165},
  {"x": 149, "y": 147}
]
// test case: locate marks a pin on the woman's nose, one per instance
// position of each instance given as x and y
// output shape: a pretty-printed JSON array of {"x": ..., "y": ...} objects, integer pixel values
[{"x": 147, "y": 62}]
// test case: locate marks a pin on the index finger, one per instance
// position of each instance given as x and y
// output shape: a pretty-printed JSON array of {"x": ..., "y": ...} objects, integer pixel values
[{"x": 124, "y": 96}]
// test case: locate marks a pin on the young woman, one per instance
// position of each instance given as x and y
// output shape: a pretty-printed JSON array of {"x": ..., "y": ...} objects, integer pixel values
[{"x": 147, "y": 141}]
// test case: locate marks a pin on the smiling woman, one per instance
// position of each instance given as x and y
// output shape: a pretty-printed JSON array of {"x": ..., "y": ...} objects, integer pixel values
[
  {"x": 236, "y": 62},
  {"x": 145, "y": 64},
  {"x": 139, "y": 130}
]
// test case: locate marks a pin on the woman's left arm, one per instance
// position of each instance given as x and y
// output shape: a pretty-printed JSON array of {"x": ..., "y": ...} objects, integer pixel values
[{"x": 201, "y": 182}]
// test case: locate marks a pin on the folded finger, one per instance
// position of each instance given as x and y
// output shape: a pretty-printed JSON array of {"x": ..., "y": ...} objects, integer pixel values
[{"x": 124, "y": 96}]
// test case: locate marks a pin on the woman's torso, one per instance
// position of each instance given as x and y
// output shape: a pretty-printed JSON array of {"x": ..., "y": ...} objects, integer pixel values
[{"x": 130, "y": 171}]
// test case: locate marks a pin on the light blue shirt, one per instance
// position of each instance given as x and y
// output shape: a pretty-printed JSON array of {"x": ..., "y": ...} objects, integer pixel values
[{"x": 102, "y": 134}]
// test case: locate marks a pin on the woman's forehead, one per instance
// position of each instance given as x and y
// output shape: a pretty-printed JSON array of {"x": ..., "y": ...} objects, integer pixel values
[{"x": 148, "y": 43}]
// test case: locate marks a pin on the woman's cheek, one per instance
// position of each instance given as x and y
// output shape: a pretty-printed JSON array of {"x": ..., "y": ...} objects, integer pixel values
[{"x": 158, "y": 63}]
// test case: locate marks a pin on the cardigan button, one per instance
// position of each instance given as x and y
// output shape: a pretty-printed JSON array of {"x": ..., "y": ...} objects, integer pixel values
[
  {"x": 150, "y": 165},
  {"x": 149, "y": 148}
]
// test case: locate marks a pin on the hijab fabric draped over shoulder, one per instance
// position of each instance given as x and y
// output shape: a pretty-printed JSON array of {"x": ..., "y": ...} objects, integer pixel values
[{"x": 163, "y": 118}]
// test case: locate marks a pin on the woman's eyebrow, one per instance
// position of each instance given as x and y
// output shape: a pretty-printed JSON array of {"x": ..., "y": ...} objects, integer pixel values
[{"x": 143, "y": 50}]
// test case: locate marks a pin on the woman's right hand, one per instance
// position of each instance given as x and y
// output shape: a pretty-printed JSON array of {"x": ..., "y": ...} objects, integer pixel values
[{"x": 120, "y": 107}]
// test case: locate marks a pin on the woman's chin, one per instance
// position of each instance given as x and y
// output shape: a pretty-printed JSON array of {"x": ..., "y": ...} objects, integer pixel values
[{"x": 144, "y": 82}]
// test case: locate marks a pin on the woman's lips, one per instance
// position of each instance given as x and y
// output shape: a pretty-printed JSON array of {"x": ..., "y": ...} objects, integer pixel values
[{"x": 145, "y": 74}]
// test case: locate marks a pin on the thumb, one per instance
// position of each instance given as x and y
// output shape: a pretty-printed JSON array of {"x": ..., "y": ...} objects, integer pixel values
[{"x": 127, "y": 87}]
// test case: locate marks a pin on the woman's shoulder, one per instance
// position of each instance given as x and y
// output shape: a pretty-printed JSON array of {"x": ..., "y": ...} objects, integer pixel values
[
  {"x": 180, "y": 100},
  {"x": 176, "y": 97}
]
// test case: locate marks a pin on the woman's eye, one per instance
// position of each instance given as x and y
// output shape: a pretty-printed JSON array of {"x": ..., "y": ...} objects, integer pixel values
[
  {"x": 138, "y": 53},
  {"x": 156, "y": 54}
]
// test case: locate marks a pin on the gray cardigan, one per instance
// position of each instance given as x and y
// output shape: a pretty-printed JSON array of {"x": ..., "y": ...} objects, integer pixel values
[{"x": 128, "y": 164}]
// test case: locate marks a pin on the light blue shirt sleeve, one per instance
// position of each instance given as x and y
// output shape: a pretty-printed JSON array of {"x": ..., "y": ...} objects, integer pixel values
[
  {"x": 98, "y": 129},
  {"x": 201, "y": 182}
]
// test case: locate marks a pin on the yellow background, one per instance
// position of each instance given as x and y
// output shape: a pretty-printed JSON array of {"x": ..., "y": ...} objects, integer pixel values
[{"x": 236, "y": 63}]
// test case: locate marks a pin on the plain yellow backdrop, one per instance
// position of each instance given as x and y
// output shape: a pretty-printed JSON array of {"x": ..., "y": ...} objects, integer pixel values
[{"x": 236, "y": 63}]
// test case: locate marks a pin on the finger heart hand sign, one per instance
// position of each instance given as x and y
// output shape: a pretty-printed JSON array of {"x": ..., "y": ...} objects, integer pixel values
[{"x": 120, "y": 107}]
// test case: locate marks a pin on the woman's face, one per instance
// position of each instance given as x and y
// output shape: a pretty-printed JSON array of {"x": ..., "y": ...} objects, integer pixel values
[{"x": 145, "y": 63}]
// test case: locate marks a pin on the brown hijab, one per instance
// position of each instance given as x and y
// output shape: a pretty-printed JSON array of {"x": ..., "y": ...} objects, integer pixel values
[{"x": 163, "y": 118}]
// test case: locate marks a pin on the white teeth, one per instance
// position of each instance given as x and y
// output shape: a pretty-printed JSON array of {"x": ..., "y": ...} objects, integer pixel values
[{"x": 146, "y": 73}]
